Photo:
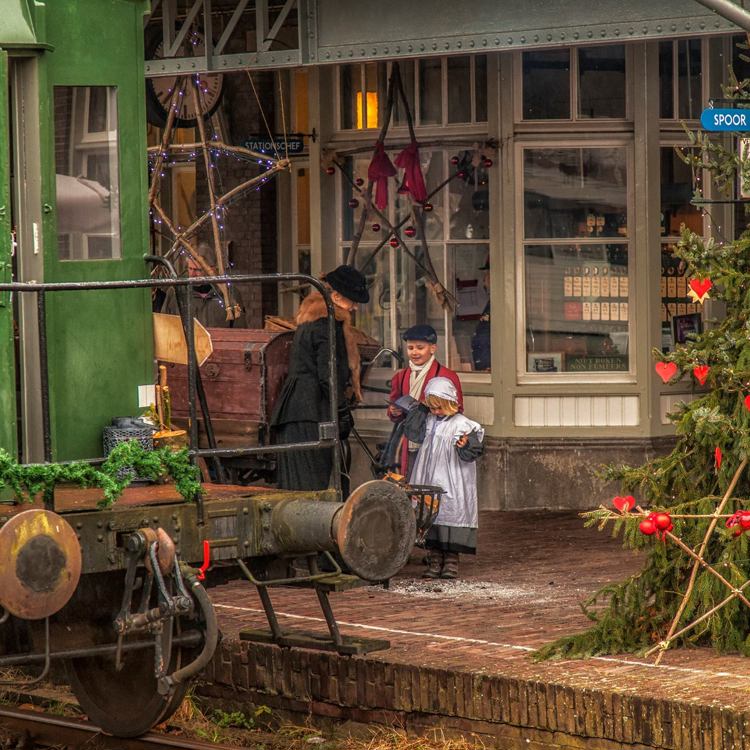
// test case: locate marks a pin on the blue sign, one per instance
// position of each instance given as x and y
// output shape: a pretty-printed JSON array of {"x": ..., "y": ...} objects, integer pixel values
[
  {"x": 294, "y": 142},
  {"x": 725, "y": 119}
]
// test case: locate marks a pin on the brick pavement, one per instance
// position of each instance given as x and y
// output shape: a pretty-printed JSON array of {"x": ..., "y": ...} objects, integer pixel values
[{"x": 460, "y": 657}]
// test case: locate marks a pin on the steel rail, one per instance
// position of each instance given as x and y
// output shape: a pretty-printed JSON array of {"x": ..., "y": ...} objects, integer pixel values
[{"x": 45, "y": 730}]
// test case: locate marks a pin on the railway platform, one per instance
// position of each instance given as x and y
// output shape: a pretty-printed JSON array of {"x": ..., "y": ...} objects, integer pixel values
[{"x": 461, "y": 653}]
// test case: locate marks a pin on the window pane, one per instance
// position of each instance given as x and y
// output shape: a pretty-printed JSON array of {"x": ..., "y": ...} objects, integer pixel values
[
  {"x": 480, "y": 87},
  {"x": 469, "y": 200},
  {"x": 431, "y": 91},
  {"x": 299, "y": 92},
  {"x": 351, "y": 95},
  {"x": 303, "y": 206},
  {"x": 666, "y": 80},
  {"x": 690, "y": 100},
  {"x": 87, "y": 181},
  {"x": 459, "y": 89},
  {"x": 434, "y": 174},
  {"x": 675, "y": 303},
  {"x": 375, "y": 85},
  {"x": 575, "y": 192},
  {"x": 415, "y": 302},
  {"x": 546, "y": 85},
  {"x": 601, "y": 76},
  {"x": 577, "y": 308},
  {"x": 356, "y": 168},
  {"x": 407, "y": 79},
  {"x": 470, "y": 349},
  {"x": 676, "y": 194},
  {"x": 374, "y": 318}
]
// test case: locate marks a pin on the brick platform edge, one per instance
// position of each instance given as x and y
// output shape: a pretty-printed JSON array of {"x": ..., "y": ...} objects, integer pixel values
[{"x": 505, "y": 712}]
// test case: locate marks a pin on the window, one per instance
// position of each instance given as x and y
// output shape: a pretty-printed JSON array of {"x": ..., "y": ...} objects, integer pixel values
[
  {"x": 439, "y": 91},
  {"x": 87, "y": 182},
  {"x": 576, "y": 259},
  {"x": 680, "y": 79},
  {"x": 677, "y": 188},
  {"x": 574, "y": 84},
  {"x": 457, "y": 230}
]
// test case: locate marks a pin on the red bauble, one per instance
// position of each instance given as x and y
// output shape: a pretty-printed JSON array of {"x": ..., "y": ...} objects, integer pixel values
[
  {"x": 427, "y": 207},
  {"x": 393, "y": 242},
  {"x": 461, "y": 174},
  {"x": 353, "y": 203},
  {"x": 487, "y": 163},
  {"x": 410, "y": 231},
  {"x": 359, "y": 182},
  {"x": 376, "y": 227},
  {"x": 662, "y": 521},
  {"x": 330, "y": 170},
  {"x": 454, "y": 160},
  {"x": 647, "y": 527},
  {"x": 744, "y": 520}
]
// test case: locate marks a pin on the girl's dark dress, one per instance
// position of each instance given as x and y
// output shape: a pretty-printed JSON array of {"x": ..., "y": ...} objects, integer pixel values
[{"x": 304, "y": 400}]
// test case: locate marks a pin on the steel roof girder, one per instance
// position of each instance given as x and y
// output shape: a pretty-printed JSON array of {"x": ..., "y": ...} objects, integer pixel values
[{"x": 222, "y": 63}]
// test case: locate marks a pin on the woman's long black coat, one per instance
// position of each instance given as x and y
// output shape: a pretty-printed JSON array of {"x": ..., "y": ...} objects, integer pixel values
[{"x": 304, "y": 402}]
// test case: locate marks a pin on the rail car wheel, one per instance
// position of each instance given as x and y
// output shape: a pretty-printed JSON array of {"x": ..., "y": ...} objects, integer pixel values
[{"x": 124, "y": 702}]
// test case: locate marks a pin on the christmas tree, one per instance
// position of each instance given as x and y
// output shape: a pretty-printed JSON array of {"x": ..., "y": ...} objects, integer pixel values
[{"x": 691, "y": 508}]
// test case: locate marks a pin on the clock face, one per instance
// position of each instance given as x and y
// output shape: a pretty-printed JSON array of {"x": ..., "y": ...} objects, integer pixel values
[{"x": 209, "y": 88}]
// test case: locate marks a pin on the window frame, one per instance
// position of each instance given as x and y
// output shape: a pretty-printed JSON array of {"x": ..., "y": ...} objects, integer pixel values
[
  {"x": 523, "y": 377},
  {"x": 674, "y": 122}
]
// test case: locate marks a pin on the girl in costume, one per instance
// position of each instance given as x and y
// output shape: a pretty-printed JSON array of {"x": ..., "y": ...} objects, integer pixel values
[{"x": 450, "y": 444}]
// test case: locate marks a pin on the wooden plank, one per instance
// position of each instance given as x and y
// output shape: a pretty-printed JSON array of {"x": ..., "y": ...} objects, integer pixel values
[{"x": 170, "y": 344}]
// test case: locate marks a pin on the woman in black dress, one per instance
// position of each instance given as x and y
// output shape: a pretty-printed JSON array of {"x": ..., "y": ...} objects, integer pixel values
[{"x": 304, "y": 399}]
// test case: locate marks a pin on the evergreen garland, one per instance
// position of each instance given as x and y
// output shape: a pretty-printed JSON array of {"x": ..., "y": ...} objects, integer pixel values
[
  {"x": 634, "y": 615},
  {"x": 127, "y": 460}
]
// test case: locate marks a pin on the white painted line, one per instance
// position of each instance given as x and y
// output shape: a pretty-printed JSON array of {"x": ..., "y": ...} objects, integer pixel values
[{"x": 481, "y": 642}]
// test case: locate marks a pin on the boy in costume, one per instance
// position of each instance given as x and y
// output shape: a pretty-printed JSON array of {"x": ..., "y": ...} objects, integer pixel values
[{"x": 421, "y": 346}]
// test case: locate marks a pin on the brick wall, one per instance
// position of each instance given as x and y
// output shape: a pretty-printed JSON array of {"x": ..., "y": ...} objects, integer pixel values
[
  {"x": 507, "y": 712},
  {"x": 250, "y": 221}
]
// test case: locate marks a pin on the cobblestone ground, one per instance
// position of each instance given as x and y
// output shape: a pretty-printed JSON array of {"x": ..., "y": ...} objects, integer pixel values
[{"x": 521, "y": 591}]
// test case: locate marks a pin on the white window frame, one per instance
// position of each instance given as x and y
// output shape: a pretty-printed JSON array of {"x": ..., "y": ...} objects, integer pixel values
[{"x": 522, "y": 375}]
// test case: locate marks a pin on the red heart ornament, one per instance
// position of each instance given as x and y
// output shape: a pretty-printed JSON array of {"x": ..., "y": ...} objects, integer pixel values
[
  {"x": 717, "y": 457},
  {"x": 700, "y": 287},
  {"x": 666, "y": 370},
  {"x": 624, "y": 504},
  {"x": 747, "y": 402},
  {"x": 701, "y": 373}
]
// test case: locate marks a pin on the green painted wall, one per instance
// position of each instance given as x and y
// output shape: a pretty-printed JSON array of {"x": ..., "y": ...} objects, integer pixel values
[
  {"x": 100, "y": 343},
  {"x": 7, "y": 357}
]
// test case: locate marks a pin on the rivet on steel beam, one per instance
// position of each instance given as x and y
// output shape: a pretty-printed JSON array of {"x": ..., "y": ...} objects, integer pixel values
[
  {"x": 374, "y": 51},
  {"x": 523, "y": 40},
  {"x": 703, "y": 25},
  {"x": 179, "y": 67},
  {"x": 421, "y": 47},
  {"x": 410, "y": 47},
  {"x": 338, "y": 54},
  {"x": 549, "y": 37},
  {"x": 193, "y": 66},
  {"x": 328, "y": 54},
  {"x": 471, "y": 43},
  {"x": 576, "y": 35},
  {"x": 617, "y": 32},
  {"x": 398, "y": 50},
  {"x": 687, "y": 27},
  {"x": 645, "y": 29},
  {"x": 658, "y": 29},
  {"x": 447, "y": 45},
  {"x": 536, "y": 37},
  {"x": 362, "y": 53},
  {"x": 459, "y": 44},
  {"x": 351, "y": 53},
  {"x": 631, "y": 31},
  {"x": 603, "y": 33},
  {"x": 385, "y": 50},
  {"x": 562, "y": 37},
  {"x": 484, "y": 42},
  {"x": 510, "y": 40},
  {"x": 674, "y": 27},
  {"x": 434, "y": 45},
  {"x": 590, "y": 34}
]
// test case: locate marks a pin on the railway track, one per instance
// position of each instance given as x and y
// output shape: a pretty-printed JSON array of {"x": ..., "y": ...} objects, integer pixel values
[{"x": 39, "y": 730}]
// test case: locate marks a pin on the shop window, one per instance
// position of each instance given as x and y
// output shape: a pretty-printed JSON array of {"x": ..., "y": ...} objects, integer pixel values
[
  {"x": 301, "y": 118},
  {"x": 457, "y": 230},
  {"x": 575, "y": 259},
  {"x": 86, "y": 163},
  {"x": 439, "y": 91},
  {"x": 574, "y": 83},
  {"x": 680, "y": 79},
  {"x": 678, "y": 182}
]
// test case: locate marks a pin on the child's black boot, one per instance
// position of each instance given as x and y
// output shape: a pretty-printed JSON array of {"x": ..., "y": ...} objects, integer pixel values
[
  {"x": 450, "y": 565},
  {"x": 434, "y": 564}
]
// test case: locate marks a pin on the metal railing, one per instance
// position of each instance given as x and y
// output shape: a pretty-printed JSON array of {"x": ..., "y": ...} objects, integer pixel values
[{"x": 328, "y": 435}]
